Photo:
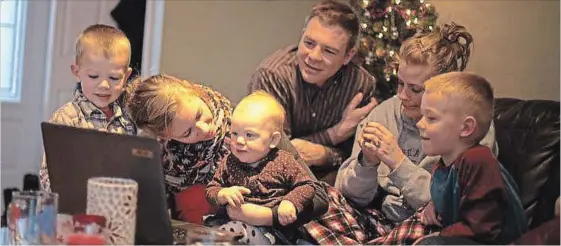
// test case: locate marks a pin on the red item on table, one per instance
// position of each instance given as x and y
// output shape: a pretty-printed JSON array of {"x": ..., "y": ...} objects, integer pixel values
[
  {"x": 85, "y": 239},
  {"x": 84, "y": 221}
]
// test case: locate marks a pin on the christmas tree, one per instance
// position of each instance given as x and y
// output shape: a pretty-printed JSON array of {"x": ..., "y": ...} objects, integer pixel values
[{"x": 384, "y": 25}]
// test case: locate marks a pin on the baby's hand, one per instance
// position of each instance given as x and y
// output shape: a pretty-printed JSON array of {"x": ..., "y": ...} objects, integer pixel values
[
  {"x": 232, "y": 195},
  {"x": 287, "y": 213},
  {"x": 429, "y": 216}
]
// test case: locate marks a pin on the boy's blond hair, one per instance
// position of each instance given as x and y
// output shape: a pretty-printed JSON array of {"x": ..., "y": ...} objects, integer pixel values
[
  {"x": 472, "y": 93},
  {"x": 274, "y": 109},
  {"x": 102, "y": 38}
]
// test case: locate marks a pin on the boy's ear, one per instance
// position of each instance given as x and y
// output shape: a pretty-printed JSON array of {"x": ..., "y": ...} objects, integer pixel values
[
  {"x": 468, "y": 127},
  {"x": 74, "y": 69},
  {"x": 275, "y": 139}
]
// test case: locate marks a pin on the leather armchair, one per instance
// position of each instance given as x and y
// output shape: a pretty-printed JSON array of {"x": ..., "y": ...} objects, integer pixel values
[{"x": 527, "y": 133}]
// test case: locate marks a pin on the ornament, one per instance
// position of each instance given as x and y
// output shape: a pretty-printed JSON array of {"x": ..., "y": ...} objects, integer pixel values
[
  {"x": 380, "y": 52},
  {"x": 395, "y": 33},
  {"x": 368, "y": 59},
  {"x": 380, "y": 35},
  {"x": 378, "y": 27},
  {"x": 364, "y": 25},
  {"x": 397, "y": 1}
]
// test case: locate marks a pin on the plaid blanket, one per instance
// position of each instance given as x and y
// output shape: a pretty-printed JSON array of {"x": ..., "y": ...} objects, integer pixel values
[{"x": 345, "y": 225}]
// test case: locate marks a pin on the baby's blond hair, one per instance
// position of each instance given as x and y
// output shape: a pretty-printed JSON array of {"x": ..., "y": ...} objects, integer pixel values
[
  {"x": 102, "y": 38},
  {"x": 274, "y": 110},
  {"x": 471, "y": 92}
]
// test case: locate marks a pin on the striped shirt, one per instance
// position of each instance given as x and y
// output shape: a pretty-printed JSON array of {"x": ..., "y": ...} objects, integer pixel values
[
  {"x": 81, "y": 113},
  {"x": 311, "y": 110}
]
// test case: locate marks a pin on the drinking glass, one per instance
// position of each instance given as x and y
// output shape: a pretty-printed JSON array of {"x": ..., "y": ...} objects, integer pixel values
[{"x": 32, "y": 218}]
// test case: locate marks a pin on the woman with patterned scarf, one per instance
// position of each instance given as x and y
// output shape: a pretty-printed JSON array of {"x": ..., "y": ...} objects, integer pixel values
[{"x": 193, "y": 122}]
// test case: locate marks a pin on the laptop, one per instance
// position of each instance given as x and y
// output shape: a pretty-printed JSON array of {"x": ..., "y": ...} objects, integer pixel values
[{"x": 74, "y": 155}]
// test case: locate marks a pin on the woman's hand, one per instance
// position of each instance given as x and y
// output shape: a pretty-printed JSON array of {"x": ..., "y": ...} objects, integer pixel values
[
  {"x": 380, "y": 143},
  {"x": 252, "y": 214}
]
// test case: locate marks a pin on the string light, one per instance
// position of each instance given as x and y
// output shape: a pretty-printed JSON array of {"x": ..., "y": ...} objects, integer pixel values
[
  {"x": 384, "y": 25},
  {"x": 366, "y": 2}
]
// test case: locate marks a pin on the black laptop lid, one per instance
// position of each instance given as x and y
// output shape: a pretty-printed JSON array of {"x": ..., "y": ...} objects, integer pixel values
[{"x": 74, "y": 155}]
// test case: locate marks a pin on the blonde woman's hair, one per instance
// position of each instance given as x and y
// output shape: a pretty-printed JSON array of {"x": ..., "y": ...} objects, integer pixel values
[
  {"x": 472, "y": 92},
  {"x": 102, "y": 38},
  {"x": 153, "y": 103},
  {"x": 445, "y": 49}
]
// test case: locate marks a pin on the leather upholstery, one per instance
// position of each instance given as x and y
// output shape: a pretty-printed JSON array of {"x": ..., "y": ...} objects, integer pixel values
[{"x": 527, "y": 133}]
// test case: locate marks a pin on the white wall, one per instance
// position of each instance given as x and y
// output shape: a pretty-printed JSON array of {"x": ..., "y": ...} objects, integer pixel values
[
  {"x": 516, "y": 43},
  {"x": 220, "y": 43}
]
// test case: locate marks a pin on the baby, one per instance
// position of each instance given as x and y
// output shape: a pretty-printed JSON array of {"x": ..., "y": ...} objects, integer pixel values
[{"x": 257, "y": 172}]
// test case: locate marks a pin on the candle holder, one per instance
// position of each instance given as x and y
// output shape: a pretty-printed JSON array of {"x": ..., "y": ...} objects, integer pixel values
[{"x": 116, "y": 200}]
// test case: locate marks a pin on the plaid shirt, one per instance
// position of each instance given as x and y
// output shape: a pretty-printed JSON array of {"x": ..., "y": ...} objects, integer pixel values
[{"x": 81, "y": 113}]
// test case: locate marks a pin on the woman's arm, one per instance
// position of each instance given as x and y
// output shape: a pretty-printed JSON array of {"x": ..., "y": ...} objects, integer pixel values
[{"x": 263, "y": 216}]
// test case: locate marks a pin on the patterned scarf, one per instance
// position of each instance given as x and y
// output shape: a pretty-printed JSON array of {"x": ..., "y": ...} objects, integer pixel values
[{"x": 188, "y": 164}]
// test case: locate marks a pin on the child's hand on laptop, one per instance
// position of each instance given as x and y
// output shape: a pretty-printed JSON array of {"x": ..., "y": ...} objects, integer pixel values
[{"x": 232, "y": 195}]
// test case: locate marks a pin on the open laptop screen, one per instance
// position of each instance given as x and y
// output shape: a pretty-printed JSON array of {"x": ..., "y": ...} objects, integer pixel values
[{"x": 74, "y": 155}]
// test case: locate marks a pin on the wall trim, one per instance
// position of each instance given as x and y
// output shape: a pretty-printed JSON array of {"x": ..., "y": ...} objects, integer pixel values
[{"x": 152, "y": 44}]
